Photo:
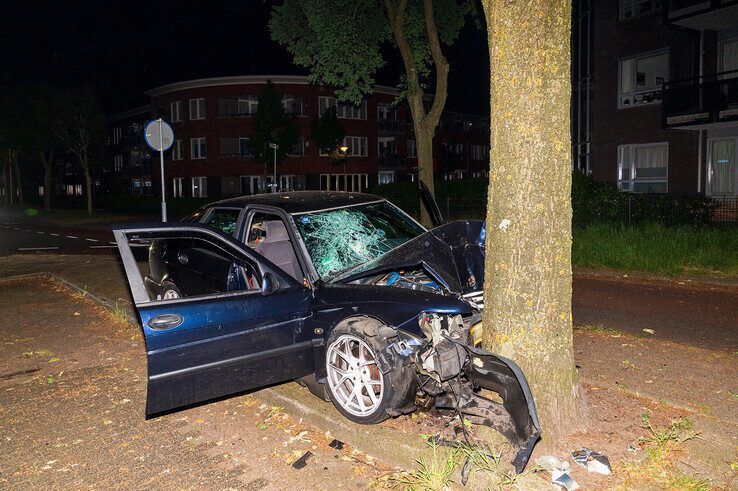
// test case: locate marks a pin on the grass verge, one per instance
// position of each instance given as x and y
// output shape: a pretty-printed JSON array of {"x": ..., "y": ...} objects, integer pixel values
[{"x": 655, "y": 248}]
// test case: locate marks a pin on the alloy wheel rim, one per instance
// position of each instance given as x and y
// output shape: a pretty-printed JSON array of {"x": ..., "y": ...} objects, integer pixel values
[
  {"x": 170, "y": 294},
  {"x": 354, "y": 377}
]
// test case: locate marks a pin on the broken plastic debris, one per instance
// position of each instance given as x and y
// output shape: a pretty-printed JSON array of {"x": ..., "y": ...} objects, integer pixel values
[
  {"x": 337, "y": 444},
  {"x": 302, "y": 461},
  {"x": 551, "y": 463},
  {"x": 593, "y": 461},
  {"x": 563, "y": 479},
  {"x": 649, "y": 331}
]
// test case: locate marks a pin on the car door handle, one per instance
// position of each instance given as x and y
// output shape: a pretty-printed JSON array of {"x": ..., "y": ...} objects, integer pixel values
[{"x": 165, "y": 321}]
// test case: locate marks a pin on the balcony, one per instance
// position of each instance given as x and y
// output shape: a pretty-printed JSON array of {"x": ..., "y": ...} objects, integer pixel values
[
  {"x": 702, "y": 14},
  {"x": 391, "y": 162},
  {"x": 691, "y": 103},
  {"x": 390, "y": 125}
]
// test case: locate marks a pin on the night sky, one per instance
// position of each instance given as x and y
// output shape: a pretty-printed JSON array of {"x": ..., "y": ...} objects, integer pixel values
[{"x": 126, "y": 47}]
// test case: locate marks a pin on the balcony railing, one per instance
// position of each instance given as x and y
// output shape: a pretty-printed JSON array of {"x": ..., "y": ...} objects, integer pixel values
[
  {"x": 390, "y": 125},
  {"x": 391, "y": 161},
  {"x": 699, "y": 100},
  {"x": 693, "y": 13}
]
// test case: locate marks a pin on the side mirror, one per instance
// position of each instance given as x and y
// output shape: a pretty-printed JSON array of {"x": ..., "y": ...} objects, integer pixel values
[{"x": 269, "y": 284}]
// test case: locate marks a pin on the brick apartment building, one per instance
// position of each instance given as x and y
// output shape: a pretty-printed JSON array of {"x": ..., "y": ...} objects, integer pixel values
[
  {"x": 656, "y": 94},
  {"x": 212, "y": 123}
]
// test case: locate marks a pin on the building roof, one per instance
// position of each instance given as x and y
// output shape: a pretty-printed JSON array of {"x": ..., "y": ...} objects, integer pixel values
[
  {"x": 301, "y": 201},
  {"x": 246, "y": 79}
]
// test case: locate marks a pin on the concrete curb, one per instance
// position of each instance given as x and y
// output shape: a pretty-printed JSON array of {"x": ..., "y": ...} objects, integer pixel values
[{"x": 395, "y": 448}]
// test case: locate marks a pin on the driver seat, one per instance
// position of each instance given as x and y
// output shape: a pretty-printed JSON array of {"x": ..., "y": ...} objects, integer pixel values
[{"x": 277, "y": 248}]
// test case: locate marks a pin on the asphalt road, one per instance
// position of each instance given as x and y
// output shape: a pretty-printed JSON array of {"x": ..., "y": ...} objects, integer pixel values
[
  {"x": 19, "y": 237},
  {"x": 697, "y": 314}
]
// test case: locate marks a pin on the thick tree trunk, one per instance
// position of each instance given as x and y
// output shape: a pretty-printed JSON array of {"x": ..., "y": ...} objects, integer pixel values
[
  {"x": 528, "y": 264},
  {"x": 18, "y": 183},
  {"x": 424, "y": 148}
]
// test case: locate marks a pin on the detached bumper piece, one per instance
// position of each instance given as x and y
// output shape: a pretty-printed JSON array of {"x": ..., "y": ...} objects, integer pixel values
[{"x": 461, "y": 371}]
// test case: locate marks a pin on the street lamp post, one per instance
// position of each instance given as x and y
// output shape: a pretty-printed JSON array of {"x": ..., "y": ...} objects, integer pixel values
[{"x": 274, "y": 147}]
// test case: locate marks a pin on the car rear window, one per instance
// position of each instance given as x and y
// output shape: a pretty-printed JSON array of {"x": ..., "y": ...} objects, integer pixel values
[{"x": 223, "y": 219}]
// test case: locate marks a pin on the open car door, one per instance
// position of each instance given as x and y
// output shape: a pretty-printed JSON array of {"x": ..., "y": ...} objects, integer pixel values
[
  {"x": 430, "y": 204},
  {"x": 218, "y": 318}
]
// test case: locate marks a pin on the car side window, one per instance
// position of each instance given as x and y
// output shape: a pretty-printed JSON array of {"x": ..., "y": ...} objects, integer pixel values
[
  {"x": 269, "y": 236},
  {"x": 174, "y": 267},
  {"x": 223, "y": 219}
]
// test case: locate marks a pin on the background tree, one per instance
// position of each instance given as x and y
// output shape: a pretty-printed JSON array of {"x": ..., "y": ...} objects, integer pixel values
[
  {"x": 272, "y": 124},
  {"x": 341, "y": 42},
  {"x": 14, "y": 137},
  {"x": 45, "y": 108},
  {"x": 327, "y": 132},
  {"x": 527, "y": 294},
  {"x": 80, "y": 127}
]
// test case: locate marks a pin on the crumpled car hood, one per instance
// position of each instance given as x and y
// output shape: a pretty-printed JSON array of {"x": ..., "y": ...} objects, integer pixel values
[{"x": 453, "y": 253}]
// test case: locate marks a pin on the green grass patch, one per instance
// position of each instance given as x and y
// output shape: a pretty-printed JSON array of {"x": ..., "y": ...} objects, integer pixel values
[{"x": 674, "y": 250}]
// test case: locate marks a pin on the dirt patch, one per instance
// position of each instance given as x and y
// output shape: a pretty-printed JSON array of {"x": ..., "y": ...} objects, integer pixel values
[{"x": 72, "y": 413}]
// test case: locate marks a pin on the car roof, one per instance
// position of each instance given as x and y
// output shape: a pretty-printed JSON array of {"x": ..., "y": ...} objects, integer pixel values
[{"x": 301, "y": 201}]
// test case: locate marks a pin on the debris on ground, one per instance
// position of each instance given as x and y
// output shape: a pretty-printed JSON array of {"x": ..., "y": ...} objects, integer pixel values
[
  {"x": 563, "y": 479},
  {"x": 649, "y": 331},
  {"x": 302, "y": 461},
  {"x": 337, "y": 444},
  {"x": 559, "y": 470},
  {"x": 593, "y": 461}
]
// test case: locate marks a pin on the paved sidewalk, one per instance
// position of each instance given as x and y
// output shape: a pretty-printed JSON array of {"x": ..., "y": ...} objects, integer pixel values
[{"x": 616, "y": 369}]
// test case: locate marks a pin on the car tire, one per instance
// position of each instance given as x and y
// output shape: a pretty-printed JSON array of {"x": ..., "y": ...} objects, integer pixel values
[
  {"x": 350, "y": 361},
  {"x": 169, "y": 291}
]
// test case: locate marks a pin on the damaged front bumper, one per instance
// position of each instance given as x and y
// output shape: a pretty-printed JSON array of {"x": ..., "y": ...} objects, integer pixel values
[{"x": 462, "y": 378}]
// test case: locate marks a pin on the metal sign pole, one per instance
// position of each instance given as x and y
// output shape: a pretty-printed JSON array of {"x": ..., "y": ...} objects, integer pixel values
[{"x": 163, "y": 185}]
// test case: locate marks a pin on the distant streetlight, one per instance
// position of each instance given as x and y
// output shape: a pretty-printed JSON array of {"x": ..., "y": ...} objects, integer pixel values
[{"x": 274, "y": 147}]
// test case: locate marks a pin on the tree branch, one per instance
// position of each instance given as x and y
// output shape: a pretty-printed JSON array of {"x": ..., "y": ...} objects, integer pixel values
[{"x": 439, "y": 61}]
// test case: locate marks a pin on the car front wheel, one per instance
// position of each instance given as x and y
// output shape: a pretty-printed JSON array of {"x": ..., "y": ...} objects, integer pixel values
[{"x": 356, "y": 385}]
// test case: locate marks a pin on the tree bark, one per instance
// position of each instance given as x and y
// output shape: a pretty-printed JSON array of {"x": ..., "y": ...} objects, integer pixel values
[
  {"x": 88, "y": 183},
  {"x": 424, "y": 148},
  {"x": 527, "y": 291},
  {"x": 18, "y": 183},
  {"x": 47, "y": 163}
]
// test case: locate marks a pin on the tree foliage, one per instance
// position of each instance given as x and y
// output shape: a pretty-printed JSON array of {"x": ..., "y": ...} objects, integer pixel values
[
  {"x": 328, "y": 133},
  {"x": 272, "y": 124},
  {"x": 341, "y": 41}
]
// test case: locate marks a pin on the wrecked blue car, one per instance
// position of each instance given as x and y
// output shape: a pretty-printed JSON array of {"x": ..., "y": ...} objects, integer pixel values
[{"x": 343, "y": 292}]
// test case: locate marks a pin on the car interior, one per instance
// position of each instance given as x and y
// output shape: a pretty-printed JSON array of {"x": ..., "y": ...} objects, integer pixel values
[{"x": 268, "y": 236}]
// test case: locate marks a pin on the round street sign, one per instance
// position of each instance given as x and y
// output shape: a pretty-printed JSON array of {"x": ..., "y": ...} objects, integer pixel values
[{"x": 159, "y": 135}]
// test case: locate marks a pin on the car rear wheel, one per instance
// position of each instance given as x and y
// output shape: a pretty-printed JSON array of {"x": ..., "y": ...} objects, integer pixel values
[{"x": 356, "y": 385}]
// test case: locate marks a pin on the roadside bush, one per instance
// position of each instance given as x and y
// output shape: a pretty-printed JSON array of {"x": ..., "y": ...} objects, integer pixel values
[{"x": 149, "y": 205}]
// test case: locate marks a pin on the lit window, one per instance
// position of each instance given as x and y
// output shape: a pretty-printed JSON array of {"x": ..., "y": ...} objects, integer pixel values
[
  {"x": 643, "y": 168},
  {"x": 198, "y": 148},
  {"x": 641, "y": 79},
  {"x": 386, "y": 177},
  {"x": 197, "y": 108},
  {"x": 479, "y": 152},
  {"x": 199, "y": 187}
]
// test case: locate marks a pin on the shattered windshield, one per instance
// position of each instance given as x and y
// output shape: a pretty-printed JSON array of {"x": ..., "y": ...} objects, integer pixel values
[{"x": 338, "y": 240}]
